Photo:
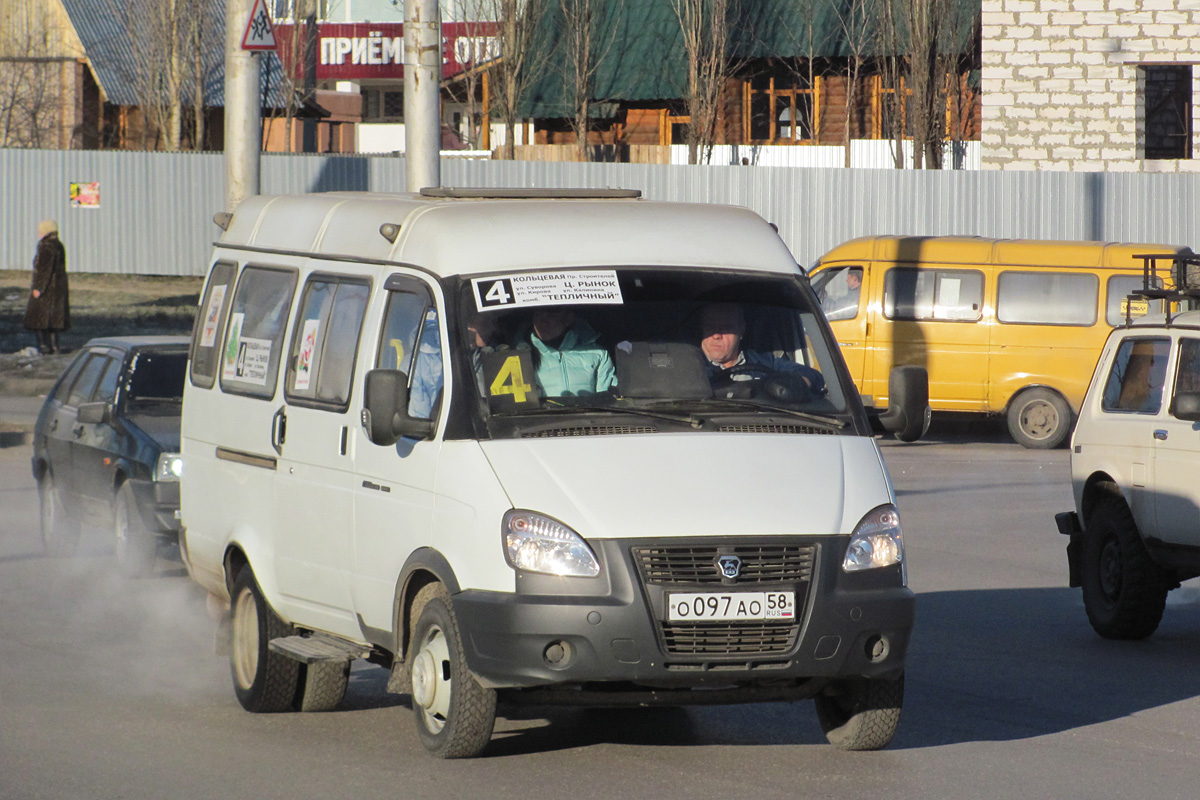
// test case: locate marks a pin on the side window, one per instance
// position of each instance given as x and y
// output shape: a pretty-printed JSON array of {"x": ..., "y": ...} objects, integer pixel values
[
  {"x": 838, "y": 290},
  {"x": 411, "y": 343},
  {"x": 1047, "y": 298},
  {"x": 210, "y": 321},
  {"x": 1117, "y": 300},
  {"x": 1135, "y": 382},
  {"x": 254, "y": 340},
  {"x": 68, "y": 380},
  {"x": 106, "y": 390},
  {"x": 85, "y": 385},
  {"x": 933, "y": 294},
  {"x": 1187, "y": 373},
  {"x": 325, "y": 341},
  {"x": 157, "y": 376}
]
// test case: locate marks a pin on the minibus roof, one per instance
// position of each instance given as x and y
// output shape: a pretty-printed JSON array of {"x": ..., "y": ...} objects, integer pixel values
[
  {"x": 1001, "y": 252},
  {"x": 457, "y": 232}
]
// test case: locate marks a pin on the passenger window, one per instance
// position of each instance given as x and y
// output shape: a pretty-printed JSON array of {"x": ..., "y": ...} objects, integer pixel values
[
  {"x": 1119, "y": 288},
  {"x": 85, "y": 385},
  {"x": 411, "y": 343},
  {"x": 210, "y": 321},
  {"x": 933, "y": 294},
  {"x": 157, "y": 376},
  {"x": 1047, "y": 298},
  {"x": 1135, "y": 381},
  {"x": 254, "y": 339},
  {"x": 1187, "y": 374},
  {"x": 838, "y": 290},
  {"x": 325, "y": 341},
  {"x": 68, "y": 380},
  {"x": 107, "y": 388}
]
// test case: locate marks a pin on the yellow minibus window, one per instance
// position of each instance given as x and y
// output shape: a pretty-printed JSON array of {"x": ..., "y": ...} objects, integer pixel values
[{"x": 1047, "y": 298}]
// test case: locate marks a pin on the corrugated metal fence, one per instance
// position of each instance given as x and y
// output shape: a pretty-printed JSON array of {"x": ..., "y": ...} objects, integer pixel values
[{"x": 155, "y": 209}]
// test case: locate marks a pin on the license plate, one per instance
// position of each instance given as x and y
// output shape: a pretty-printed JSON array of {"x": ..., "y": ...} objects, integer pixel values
[{"x": 725, "y": 606}]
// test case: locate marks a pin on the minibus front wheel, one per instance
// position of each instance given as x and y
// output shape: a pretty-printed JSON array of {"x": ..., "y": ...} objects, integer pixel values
[{"x": 1039, "y": 419}]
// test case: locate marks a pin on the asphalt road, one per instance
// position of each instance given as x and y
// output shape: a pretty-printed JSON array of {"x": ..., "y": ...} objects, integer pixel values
[{"x": 112, "y": 689}]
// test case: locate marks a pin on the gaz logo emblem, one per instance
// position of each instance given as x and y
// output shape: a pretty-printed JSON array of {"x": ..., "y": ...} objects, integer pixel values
[{"x": 730, "y": 566}]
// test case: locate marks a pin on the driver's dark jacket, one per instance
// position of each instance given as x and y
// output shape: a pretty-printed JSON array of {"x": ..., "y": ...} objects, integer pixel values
[{"x": 816, "y": 380}]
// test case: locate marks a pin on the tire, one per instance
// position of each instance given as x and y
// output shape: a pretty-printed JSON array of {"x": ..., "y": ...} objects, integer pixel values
[
  {"x": 136, "y": 547},
  {"x": 60, "y": 533},
  {"x": 454, "y": 714},
  {"x": 861, "y": 713},
  {"x": 264, "y": 681},
  {"x": 1124, "y": 591},
  {"x": 1039, "y": 419},
  {"x": 322, "y": 686}
]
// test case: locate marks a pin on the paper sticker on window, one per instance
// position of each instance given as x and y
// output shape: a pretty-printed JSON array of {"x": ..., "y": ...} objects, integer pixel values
[
  {"x": 306, "y": 362},
  {"x": 229, "y": 362},
  {"x": 508, "y": 379},
  {"x": 597, "y": 286},
  {"x": 209, "y": 336},
  {"x": 246, "y": 359},
  {"x": 1135, "y": 308}
]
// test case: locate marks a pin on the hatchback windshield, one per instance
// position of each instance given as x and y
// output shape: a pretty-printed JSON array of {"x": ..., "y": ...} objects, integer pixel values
[{"x": 682, "y": 346}]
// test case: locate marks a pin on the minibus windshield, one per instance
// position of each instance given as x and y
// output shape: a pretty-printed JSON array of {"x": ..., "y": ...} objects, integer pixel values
[{"x": 683, "y": 346}]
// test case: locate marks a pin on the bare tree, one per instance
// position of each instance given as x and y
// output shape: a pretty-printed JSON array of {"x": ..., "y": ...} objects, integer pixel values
[
  {"x": 475, "y": 47},
  {"x": 587, "y": 37},
  {"x": 522, "y": 58},
  {"x": 31, "y": 64},
  {"x": 705, "y": 28},
  {"x": 892, "y": 63},
  {"x": 856, "y": 18},
  {"x": 927, "y": 76}
]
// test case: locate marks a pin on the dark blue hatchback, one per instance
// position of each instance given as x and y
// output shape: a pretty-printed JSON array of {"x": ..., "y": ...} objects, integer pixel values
[{"x": 106, "y": 448}]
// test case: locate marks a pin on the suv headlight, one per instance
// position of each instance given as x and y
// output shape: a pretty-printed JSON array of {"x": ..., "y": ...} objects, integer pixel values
[
  {"x": 876, "y": 542},
  {"x": 169, "y": 467},
  {"x": 537, "y": 543}
]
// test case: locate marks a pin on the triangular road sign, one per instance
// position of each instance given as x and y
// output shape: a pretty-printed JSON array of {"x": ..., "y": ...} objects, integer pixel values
[{"x": 259, "y": 35}]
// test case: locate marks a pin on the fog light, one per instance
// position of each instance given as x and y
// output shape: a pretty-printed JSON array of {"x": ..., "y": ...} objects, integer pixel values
[
  {"x": 557, "y": 654},
  {"x": 877, "y": 648}
]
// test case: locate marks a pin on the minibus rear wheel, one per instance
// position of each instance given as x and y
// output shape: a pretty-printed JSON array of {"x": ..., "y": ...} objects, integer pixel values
[
  {"x": 263, "y": 680},
  {"x": 861, "y": 713},
  {"x": 1039, "y": 419},
  {"x": 453, "y": 713}
]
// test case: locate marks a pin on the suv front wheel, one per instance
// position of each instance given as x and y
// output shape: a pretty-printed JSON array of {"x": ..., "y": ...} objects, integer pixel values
[{"x": 1124, "y": 591}]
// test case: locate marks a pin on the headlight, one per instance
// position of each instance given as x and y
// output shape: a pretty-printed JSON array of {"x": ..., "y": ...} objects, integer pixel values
[
  {"x": 535, "y": 543},
  {"x": 169, "y": 467},
  {"x": 876, "y": 542}
]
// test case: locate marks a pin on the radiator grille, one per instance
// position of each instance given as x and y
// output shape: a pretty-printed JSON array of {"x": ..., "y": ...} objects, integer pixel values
[
  {"x": 765, "y": 563},
  {"x": 730, "y": 638}
]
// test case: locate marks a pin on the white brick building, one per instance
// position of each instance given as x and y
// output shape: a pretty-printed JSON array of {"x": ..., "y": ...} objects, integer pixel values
[{"x": 1091, "y": 85}]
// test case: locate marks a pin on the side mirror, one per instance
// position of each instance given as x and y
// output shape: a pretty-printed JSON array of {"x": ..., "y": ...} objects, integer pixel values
[
  {"x": 94, "y": 413},
  {"x": 385, "y": 410},
  {"x": 1185, "y": 406},
  {"x": 907, "y": 415}
]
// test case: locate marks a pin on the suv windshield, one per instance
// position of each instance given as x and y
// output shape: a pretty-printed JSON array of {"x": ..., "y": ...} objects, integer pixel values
[{"x": 573, "y": 352}]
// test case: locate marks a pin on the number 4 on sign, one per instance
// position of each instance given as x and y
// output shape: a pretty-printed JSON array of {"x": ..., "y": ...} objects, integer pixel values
[{"x": 260, "y": 34}]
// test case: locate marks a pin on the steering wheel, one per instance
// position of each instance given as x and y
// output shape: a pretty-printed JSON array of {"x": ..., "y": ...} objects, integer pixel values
[
  {"x": 787, "y": 387},
  {"x": 741, "y": 382}
]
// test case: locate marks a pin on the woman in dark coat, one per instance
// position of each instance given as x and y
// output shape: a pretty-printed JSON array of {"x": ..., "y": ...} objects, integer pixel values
[{"x": 49, "y": 309}]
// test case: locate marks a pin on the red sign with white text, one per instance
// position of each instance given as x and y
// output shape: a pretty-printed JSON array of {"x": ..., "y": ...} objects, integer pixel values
[{"x": 364, "y": 50}]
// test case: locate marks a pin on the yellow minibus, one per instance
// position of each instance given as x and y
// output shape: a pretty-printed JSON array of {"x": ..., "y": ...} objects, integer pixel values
[{"x": 1003, "y": 326}]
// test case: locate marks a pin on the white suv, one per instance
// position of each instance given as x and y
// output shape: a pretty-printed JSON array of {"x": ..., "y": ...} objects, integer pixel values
[{"x": 1135, "y": 533}]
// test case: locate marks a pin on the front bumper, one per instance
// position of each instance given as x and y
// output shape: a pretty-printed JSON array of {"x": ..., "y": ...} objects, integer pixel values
[
  {"x": 158, "y": 505},
  {"x": 593, "y": 634}
]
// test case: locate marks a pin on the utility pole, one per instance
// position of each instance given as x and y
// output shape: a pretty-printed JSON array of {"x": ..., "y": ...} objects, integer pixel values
[
  {"x": 243, "y": 113},
  {"x": 422, "y": 112}
]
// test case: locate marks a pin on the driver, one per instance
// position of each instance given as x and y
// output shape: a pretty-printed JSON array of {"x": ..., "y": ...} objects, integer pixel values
[{"x": 722, "y": 326}]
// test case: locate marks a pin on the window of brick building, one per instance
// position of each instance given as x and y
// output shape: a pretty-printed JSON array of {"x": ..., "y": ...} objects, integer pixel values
[{"x": 1167, "y": 110}]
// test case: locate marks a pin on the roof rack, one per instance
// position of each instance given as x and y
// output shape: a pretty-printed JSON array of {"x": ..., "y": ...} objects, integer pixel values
[
  {"x": 492, "y": 193},
  {"x": 1182, "y": 287}
]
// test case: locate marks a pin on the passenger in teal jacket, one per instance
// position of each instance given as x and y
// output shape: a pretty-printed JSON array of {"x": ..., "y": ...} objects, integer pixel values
[{"x": 569, "y": 361}]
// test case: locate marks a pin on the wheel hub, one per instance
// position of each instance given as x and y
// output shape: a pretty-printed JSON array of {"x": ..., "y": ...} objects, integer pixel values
[
  {"x": 1110, "y": 570},
  {"x": 424, "y": 679},
  {"x": 1039, "y": 419}
]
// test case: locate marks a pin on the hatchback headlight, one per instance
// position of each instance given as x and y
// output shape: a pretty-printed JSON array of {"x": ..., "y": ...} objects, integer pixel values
[
  {"x": 537, "y": 543},
  {"x": 169, "y": 467},
  {"x": 876, "y": 541}
]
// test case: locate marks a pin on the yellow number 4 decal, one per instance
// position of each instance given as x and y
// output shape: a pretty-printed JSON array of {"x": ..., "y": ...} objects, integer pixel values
[{"x": 511, "y": 380}]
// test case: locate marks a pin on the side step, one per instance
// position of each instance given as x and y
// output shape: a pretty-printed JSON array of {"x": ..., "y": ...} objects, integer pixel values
[{"x": 318, "y": 648}]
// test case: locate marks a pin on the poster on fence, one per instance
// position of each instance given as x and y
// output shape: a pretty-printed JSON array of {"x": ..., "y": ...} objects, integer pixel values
[{"x": 85, "y": 195}]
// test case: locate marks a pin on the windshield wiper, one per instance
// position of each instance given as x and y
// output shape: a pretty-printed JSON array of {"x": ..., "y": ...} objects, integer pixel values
[
  {"x": 748, "y": 405},
  {"x": 564, "y": 408}
]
